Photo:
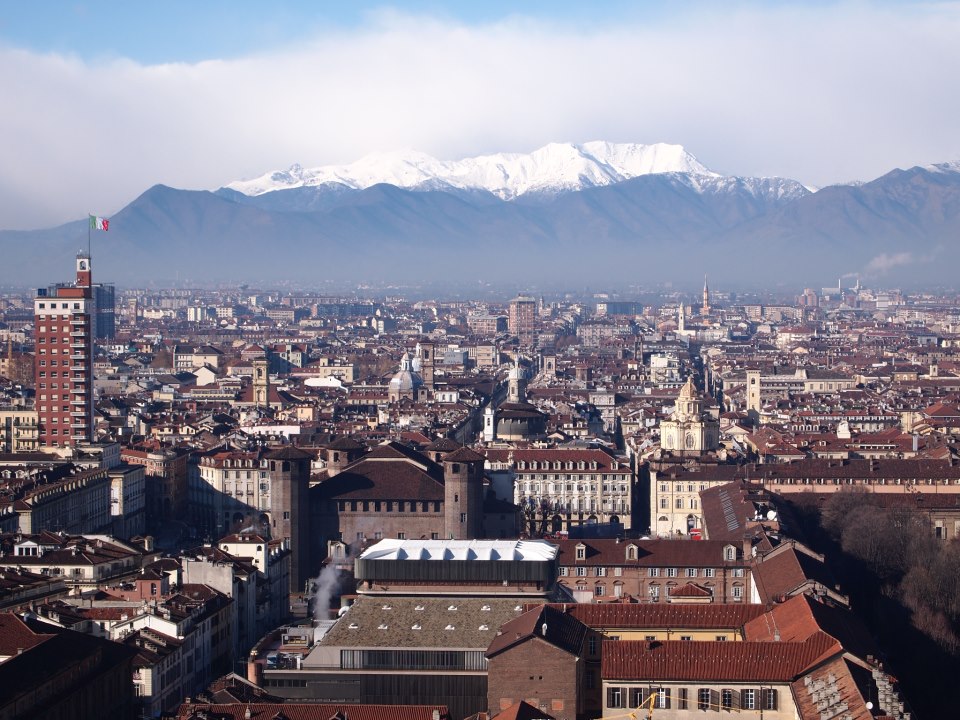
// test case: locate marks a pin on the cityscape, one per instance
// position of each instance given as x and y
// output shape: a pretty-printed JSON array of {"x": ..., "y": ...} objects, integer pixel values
[{"x": 528, "y": 426}]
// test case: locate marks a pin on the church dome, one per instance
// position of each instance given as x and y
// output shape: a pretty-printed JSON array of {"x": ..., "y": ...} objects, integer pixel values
[{"x": 406, "y": 380}]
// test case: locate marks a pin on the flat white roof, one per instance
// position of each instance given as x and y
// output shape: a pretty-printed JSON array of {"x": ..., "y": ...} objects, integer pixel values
[{"x": 529, "y": 550}]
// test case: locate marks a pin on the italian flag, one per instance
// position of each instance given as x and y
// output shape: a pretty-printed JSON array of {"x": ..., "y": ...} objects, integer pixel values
[{"x": 99, "y": 223}]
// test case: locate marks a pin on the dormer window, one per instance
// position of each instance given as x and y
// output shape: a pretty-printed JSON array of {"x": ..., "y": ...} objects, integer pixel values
[
  {"x": 729, "y": 552},
  {"x": 581, "y": 552},
  {"x": 631, "y": 552}
]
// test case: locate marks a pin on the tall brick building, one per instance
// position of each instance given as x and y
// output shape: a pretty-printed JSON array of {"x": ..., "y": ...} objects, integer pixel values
[
  {"x": 63, "y": 362},
  {"x": 522, "y": 317}
]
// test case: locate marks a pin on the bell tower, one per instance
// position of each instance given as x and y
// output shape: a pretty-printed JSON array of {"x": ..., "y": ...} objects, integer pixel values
[{"x": 261, "y": 383}]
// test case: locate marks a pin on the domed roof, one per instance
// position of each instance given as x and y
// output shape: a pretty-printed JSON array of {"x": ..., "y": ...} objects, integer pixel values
[
  {"x": 688, "y": 391},
  {"x": 405, "y": 380}
]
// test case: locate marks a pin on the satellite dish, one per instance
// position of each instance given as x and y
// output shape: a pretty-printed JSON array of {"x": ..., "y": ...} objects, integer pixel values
[{"x": 771, "y": 515}]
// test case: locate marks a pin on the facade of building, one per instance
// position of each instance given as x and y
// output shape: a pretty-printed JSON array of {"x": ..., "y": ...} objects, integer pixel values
[
  {"x": 63, "y": 362},
  {"x": 166, "y": 481},
  {"x": 19, "y": 430},
  {"x": 396, "y": 492},
  {"x": 521, "y": 318},
  {"x": 128, "y": 500},
  {"x": 690, "y": 431},
  {"x": 656, "y": 571},
  {"x": 572, "y": 487},
  {"x": 72, "y": 503}
]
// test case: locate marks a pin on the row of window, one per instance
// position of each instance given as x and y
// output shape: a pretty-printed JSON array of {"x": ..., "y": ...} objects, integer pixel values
[
  {"x": 53, "y": 306},
  {"x": 570, "y": 488},
  {"x": 693, "y": 503},
  {"x": 378, "y": 535},
  {"x": 600, "y": 571},
  {"x": 706, "y": 698},
  {"x": 558, "y": 465},
  {"x": 388, "y": 505},
  {"x": 690, "y": 487}
]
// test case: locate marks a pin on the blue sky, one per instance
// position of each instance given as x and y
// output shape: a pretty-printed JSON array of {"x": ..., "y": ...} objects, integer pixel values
[
  {"x": 191, "y": 31},
  {"x": 104, "y": 99}
]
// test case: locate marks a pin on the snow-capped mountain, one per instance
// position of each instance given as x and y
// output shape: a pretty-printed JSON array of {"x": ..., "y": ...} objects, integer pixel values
[{"x": 557, "y": 167}]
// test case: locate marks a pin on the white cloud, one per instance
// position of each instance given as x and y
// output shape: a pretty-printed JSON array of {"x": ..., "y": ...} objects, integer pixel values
[
  {"x": 823, "y": 94},
  {"x": 884, "y": 263}
]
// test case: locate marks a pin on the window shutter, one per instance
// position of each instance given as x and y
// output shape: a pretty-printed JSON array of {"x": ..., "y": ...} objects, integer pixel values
[
  {"x": 735, "y": 696},
  {"x": 666, "y": 698},
  {"x": 714, "y": 699}
]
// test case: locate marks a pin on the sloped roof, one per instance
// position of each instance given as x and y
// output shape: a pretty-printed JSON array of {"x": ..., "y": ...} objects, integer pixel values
[
  {"x": 680, "y": 661},
  {"x": 545, "y": 623},
  {"x": 307, "y": 711},
  {"x": 659, "y": 615}
]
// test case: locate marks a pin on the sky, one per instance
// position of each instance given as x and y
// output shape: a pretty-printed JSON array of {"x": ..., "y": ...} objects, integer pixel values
[{"x": 102, "y": 100}]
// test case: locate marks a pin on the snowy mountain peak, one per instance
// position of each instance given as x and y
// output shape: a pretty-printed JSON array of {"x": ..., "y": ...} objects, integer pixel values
[{"x": 553, "y": 168}]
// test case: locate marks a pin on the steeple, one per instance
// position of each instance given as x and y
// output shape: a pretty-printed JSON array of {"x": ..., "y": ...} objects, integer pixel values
[{"x": 705, "y": 309}]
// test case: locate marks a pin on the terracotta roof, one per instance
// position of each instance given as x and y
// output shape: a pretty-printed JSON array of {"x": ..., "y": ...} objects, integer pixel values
[
  {"x": 683, "y": 661},
  {"x": 16, "y": 636},
  {"x": 650, "y": 553},
  {"x": 308, "y": 711},
  {"x": 802, "y": 617},
  {"x": 389, "y": 472},
  {"x": 545, "y": 623},
  {"x": 289, "y": 453},
  {"x": 523, "y": 710},
  {"x": 843, "y": 682},
  {"x": 657, "y": 615},
  {"x": 464, "y": 455},
  {"x": 691, "y": 590},
  {"x": 345, "y": 443},
  {"x": 785, "y": 571}
]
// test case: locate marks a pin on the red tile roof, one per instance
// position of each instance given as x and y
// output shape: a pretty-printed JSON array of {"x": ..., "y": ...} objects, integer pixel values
[
  {"x": 681, "y": 661},
  {"x": 307, "y": 711},
  {"x": 654, "y": 615},
  {"x": 545, "y": 622},
  {"x": 15, "y": 636}
]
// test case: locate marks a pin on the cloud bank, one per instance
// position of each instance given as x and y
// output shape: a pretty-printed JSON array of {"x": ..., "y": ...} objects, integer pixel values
[{"x": 823, "y": 94}]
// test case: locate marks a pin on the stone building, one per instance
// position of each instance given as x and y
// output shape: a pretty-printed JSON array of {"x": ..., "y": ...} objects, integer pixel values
[{"x": 396, "y": 492}]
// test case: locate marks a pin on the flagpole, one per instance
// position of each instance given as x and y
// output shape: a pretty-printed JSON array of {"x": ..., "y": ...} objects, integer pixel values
[{"x": 90, "y": 259}]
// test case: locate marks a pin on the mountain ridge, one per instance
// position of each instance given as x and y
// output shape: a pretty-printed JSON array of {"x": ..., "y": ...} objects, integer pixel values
[{"x": 651, "y": 228}]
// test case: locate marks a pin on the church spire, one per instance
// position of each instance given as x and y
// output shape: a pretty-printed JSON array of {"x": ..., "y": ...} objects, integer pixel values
[{"x": 705, "y": 309}]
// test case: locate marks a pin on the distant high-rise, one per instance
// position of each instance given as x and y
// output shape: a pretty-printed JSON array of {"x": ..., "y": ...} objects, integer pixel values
[
  {"x": 522, "y": 317},
  {"x": 63, "y": 359}
]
